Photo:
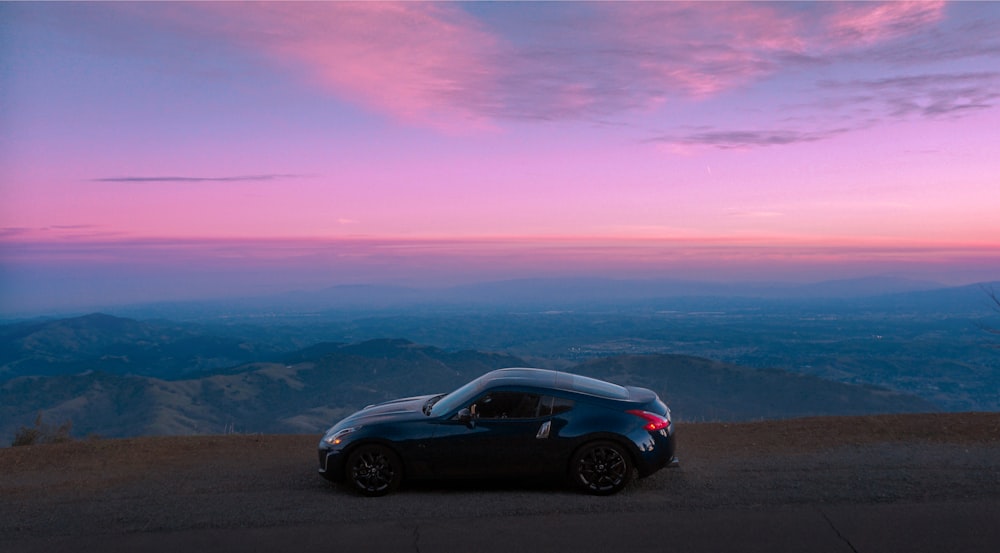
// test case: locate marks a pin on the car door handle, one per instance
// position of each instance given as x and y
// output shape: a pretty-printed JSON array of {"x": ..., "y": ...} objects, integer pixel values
[{"x": 543, "y": 431}]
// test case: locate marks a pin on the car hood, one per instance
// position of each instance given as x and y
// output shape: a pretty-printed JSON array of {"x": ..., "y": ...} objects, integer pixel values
[{"x": 397, "y": 409}]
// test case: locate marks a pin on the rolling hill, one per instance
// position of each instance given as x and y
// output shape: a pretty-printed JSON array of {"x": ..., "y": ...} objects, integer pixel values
[
  {"x": 312, "y": 388},
  {"x": 118, "y": 345}
]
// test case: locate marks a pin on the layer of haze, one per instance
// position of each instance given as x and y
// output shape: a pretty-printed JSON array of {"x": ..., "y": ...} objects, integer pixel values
[{"x": 160, "y": 151}]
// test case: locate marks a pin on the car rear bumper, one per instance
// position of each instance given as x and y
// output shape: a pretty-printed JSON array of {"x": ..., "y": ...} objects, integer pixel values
[{"x": 656, "y": 453}]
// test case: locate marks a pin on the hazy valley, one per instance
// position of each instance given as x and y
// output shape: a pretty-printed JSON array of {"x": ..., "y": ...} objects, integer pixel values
[{"x": 216, "y": 369}]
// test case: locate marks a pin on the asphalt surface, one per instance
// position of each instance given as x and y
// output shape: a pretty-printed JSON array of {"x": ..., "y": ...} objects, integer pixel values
[
  {"x": 908, "y": 484},
  {"x": 928, "y": 527}
]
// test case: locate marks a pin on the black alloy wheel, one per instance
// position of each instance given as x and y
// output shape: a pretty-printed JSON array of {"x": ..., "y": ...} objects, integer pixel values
[
  {"x": 374, "y": 470},
  {"x": 601, "y": 468}
]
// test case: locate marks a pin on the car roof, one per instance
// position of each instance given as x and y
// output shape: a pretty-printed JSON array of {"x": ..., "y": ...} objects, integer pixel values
[{"x": 557, "y": 380}]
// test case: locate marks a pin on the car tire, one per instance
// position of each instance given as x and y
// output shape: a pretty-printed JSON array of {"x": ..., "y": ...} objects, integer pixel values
[
  {"x": 373, "y": 470},
  {"x": 601, "y": 468}
]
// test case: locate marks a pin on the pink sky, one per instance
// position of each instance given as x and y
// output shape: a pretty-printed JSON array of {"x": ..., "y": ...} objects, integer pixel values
[{"x": 432, "y": 143}]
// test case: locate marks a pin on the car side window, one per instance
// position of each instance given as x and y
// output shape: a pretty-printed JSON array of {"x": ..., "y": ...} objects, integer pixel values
[
  {"x": 508, "y": 405},
  {"x": 554, "y": 406},
  {"x": 561, "y": 405}
]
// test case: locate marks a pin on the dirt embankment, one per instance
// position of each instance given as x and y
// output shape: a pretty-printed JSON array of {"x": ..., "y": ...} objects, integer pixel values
[{"x": 179, "y": 483}]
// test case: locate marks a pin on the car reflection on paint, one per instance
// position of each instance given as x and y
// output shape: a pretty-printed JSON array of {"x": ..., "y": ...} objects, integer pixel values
[{"x": 508, "y": 422}]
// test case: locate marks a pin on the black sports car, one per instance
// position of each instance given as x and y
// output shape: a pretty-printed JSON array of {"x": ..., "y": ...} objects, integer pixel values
[{"x": 508, "y": 422}]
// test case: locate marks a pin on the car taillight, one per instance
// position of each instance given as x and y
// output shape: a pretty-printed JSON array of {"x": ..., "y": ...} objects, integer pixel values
[{"x": 653, "y": 421}]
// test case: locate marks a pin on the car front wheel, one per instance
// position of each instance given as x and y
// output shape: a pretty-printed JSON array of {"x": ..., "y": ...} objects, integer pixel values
[
  {"x": 374, "y": 470},
  {"x": 601, "y": 468}
]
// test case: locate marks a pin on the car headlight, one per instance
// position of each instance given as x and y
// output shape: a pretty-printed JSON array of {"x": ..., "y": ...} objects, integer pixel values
[{"x": 338, "y": 436}]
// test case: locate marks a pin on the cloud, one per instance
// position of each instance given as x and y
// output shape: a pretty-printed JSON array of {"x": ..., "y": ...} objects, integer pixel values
[
  {"x": 929, "y": 95},
  {"x": 602, "y": 59},
  {"x": 742, "y": 139},
  {"x": 74, "y": 227},
  {"x": 854, "y": 25},
  {"x": 32, "y": 231},
  {"x": 851, "y": 105},
  {"x": 846, "y": 106},
  {"x": 68, "y": 233},
  {"x": 239, "y": 178},
  {"x": 409, "y": 60},
  {"x": 439, "y": 65},
  {"x": 16, "y": 232},
  {"x": 968, "y": 40}
]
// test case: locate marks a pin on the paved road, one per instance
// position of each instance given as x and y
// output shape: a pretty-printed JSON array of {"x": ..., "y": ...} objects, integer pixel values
[
  {"x": 907, "y": 484},
  {"x": 970, "y": 527}
]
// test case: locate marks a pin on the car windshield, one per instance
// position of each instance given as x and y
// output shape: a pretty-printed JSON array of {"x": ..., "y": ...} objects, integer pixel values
[{"x": 456, "y": 399}]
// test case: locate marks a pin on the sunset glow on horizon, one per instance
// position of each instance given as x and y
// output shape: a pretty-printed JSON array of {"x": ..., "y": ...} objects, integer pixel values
[{"x": 156, "y": 151}]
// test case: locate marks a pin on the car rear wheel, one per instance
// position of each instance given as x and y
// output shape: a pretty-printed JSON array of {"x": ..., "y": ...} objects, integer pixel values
[
  {"x": 374, "y": 470},
  {"x": 601, "y": 468}
]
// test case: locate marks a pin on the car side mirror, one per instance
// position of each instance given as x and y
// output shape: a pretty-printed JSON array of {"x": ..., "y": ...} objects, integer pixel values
[{"x": 467, "y": 416}]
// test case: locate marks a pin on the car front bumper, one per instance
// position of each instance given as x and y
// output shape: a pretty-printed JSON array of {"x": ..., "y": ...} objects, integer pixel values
[{"x": 331, "y": 463}]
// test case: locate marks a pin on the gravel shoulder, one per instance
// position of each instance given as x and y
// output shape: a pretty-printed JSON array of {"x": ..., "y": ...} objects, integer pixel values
[{"x": 90, "y": 489}]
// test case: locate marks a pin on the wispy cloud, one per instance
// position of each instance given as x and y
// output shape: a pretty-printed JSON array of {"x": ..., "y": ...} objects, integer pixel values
[
  {"x": 238, "y": 178},
  {"x": 859, "y": 104},
  {"x": 438, "y": 65},
  {"x": 16, "y": 232},
  {"x": 407, "y": 59},
  {"x": 741, "y": 139},
  {"x": 70, "y": 233},
  {"x": 853, "y": 25},
  {"x": 418, "y": 61},
  {"x": 927, "y": 95},
  {"x": 74, "y": 227},
  {"x": 606, "y": 59},
  {"x": 484, "y": 252}
]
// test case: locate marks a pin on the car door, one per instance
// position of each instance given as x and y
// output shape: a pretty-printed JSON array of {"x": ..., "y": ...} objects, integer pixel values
[{"x": 500, "y": 436}]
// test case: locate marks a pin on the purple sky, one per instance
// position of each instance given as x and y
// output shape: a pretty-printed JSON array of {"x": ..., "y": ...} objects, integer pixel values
[{"x": 162, "y": 151}]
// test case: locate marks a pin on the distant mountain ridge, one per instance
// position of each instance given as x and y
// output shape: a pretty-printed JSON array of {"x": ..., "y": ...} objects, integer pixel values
[
  {"x": 598, "y": 289},
  {"x": 255, "y": 397},
  {"x": 541, "y": 292},
  {"x": 319, "y": 385},
  {"x": 118, "y": 345}
]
